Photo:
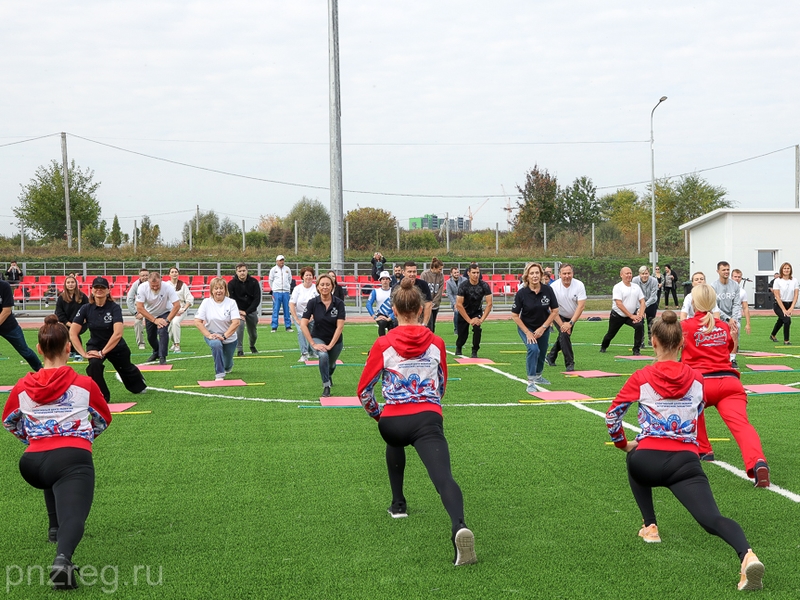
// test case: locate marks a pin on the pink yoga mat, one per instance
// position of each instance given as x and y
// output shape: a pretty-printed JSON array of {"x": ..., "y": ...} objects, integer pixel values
[
  {"x": 590, "y": 374},
  {"x": 120, "y": 406},
  {"x": 771, "y": 388},
  {"x": 560, "y": 396},
  {"x": 474, "y": 361},
  {"x": 769, "y": 367},
  {"x": 316, "y": 362},
  {"x": 340, "y": 401},
  {"x": 636, "y": 357},
  {"x": 760, "y": 354},
  {"x": 155, "y": 367},
  {"x": 222, "y": 383},
  {"x": 6, "y": 388}
]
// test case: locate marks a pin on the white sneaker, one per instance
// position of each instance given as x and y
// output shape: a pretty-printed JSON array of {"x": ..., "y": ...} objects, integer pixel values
[
  {"x": 141, "y": 346},
  {"x": 303, "y": 358},
  {"x": 465, "y": 547},
  {"x": 119, "y": 378},
  {"x": 219, "y": 377}
]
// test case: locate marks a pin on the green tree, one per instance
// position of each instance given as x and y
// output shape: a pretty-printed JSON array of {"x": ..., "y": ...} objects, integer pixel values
[
  {"x": 537, "y": 203},
  {"x": 149, "y": 233},
  {"x": 116, "y": 233},
  {"x": 42, "y": 207},
  {"x": 678, "y": 202},
  {"x": 580, "y": 206},
  {"x": 625, "y": 210},
  {"x": 211, "y": 230},
  {"x": 371, "y": 228},
  {"x": 312, "y": 218}
]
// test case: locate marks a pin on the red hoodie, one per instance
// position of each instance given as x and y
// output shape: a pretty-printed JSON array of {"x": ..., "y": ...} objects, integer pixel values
[
  {"x": 50, "y": 409},
  {"x": 670, "y": 397},
  {"x": 707, "y": 352},
  {"x": 413, "y": 364}
]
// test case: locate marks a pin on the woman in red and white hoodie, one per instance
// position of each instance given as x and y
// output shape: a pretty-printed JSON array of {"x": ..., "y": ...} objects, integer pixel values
[
  {"x": 707, "y": 344},
  {"x": 664, "y": 454},
  {"x": 412, "y": 363},
  {"x": 58, "y": 413}
]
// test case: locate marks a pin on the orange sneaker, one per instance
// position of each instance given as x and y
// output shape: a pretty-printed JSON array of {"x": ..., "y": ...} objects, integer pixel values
[
  {"x": 650, "y": 534},
  {"x": 752, "y": 572}
]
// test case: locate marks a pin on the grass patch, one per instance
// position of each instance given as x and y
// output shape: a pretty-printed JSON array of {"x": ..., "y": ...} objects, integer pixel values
[{"x": 224, "y": 495}]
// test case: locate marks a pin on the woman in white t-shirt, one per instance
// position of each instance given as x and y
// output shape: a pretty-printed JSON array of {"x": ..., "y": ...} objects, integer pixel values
[
  {"x": 187, "y": 300},
  {"x": 218, "y": 320},
  {"x": 297, "y": 306},
  {"x": 785, "y": 289},
  {"x": 687, "y": 310}
]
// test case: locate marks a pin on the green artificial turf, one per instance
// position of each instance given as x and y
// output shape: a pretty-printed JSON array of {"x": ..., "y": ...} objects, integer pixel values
[{"x": 225, "y": 493}]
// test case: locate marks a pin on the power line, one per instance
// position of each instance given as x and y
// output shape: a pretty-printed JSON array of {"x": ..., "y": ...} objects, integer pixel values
[
  {"x": 736, "y": 162},
  {"x": 41, "y": 137},
  {"x": 388, "y": 144}
]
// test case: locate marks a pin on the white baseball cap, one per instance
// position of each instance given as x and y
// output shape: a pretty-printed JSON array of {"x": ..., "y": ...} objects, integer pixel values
[{"x": 280, "y": 257}]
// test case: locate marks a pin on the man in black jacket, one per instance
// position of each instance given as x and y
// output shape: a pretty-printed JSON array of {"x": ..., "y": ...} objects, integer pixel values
[{"x": 246, "y": 292}]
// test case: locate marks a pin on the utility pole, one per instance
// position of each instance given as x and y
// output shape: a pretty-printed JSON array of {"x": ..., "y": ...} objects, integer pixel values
[
  {"x": 197, "y": 221},
  {"x": 335, "y": 124},
  {"x": 66, "y": 186}
]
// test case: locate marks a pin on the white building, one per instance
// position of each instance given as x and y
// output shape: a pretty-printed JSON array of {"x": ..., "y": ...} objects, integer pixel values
[{"x": 754, "y": 241}]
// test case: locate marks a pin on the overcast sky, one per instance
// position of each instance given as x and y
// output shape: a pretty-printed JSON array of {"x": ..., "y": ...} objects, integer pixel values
[{"x": 449, "y": 97}]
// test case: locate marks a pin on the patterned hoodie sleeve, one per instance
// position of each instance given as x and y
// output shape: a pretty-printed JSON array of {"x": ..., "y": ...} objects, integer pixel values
[
  {"x": 98, "y": 408},
  {"x": 626, "y": 396},
  {"x": 13, "y": 419},
  {"x": 370, "y": 378}
]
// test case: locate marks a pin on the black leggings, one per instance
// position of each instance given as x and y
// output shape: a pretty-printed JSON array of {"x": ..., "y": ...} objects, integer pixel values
[
  {"x": 670, "y": 290},
  {"x": 425, "y": 432},
  {"x": 682, "y": 473},
  {"x": 783, "y": 320},
  {"x": 120, "y": 358},
  {"x": 67, "y": 477}
]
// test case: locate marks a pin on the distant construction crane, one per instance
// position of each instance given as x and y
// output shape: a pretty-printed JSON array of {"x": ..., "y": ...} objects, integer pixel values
[
  {"x": 508, "y": 208},
  {"x": 472, "y": 214}
]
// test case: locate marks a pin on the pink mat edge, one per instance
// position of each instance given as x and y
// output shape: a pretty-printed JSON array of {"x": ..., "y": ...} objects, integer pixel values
[
  {"x": 340, "y": 401},
  {"x": 222, "y": 383},
  {"x": 562, "y": 395},
  {"x": 118, "y": 407}
]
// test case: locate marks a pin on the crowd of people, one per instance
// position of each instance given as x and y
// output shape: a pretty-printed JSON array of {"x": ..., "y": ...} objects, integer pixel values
[{"x": 695, "y": 368}]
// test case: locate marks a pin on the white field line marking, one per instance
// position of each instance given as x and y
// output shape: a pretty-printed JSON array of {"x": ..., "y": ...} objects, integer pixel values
[
  {"x": 205, "y": 395},
  {"x": 728, "y": 467}
]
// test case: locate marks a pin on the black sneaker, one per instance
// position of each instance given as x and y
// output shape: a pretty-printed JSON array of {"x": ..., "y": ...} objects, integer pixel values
[
  {"x": 570, "y": 368},
  {"x": 761, "y": 471},
  {"x": 708, "y": 457},
  {"x": 397, "y": 510},
  {"x": 326, "y": 391},
  {"x": 62, "y": 574},
  {"x": 240, "y": 353},
  {"x": 637, "y": 352},
  {"x": 734, "y": 364},
  {"x": 153, "y": 357},
  {"x": 474, "y": 355},
  {"x": 52, "y": 535},
  {"x": 458, "y": 352},
  {"x": 289, "y": 330},
  {"x": 602, "y": 350},
  {"x": 253, "y": 350},
  {"x": 549, "y": 361},
  {"x": 162, "y": 361}
]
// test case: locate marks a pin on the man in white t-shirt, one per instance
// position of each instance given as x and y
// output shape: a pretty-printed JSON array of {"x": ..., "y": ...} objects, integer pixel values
[
  {"x": 627, "y": 308},
  {"x": 571, "y": 296},
  {"x": 158, "y": 303},
  {"x": 280, "y": 282}
]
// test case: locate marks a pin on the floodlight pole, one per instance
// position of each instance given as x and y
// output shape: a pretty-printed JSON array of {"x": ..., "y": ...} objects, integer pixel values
[
  {"x": 653, "y": 257},
  {"x": 335, "y": 124}
]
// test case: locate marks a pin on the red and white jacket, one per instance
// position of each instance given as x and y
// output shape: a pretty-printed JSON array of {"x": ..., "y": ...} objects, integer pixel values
[
  {"x": 707, "y": 352},
  {"x": 51, "y": 409},
  {"x": 413, "y": 365},
  {"x": 670, "y": 397}
]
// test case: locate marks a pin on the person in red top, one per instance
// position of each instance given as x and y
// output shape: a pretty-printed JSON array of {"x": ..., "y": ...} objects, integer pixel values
[
  {"x": 664, "y": 454},
  {"x": 412, "y": 363},
  {"x": 707, "y": 344},
  {"x": 58, "y": 413}
]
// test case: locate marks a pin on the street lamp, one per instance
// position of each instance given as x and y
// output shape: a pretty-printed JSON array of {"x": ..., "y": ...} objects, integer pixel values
[{"x": 653, "y": 258}]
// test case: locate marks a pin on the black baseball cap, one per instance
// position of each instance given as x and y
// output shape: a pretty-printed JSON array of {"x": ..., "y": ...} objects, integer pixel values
[{"x": 100, "y": 282}]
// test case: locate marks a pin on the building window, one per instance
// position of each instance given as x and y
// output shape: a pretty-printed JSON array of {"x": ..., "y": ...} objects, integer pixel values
[{"x": 766, "y": 260}]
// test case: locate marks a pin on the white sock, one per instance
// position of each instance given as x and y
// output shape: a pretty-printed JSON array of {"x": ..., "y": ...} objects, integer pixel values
[{"x": 733, "y": 356}]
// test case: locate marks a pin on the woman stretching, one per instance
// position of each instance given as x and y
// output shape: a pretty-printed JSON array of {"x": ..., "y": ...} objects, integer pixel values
[
  {"x": 785, "y": 289},
  {"x": 58, "y": 413},
  {"x": 328, "y": 314},
  {"x": 664, "y": 454},
  {"x": 67, "y": 305},
  {"x": 707, "y": 343},
  {"x": 411, "y": 362}
]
